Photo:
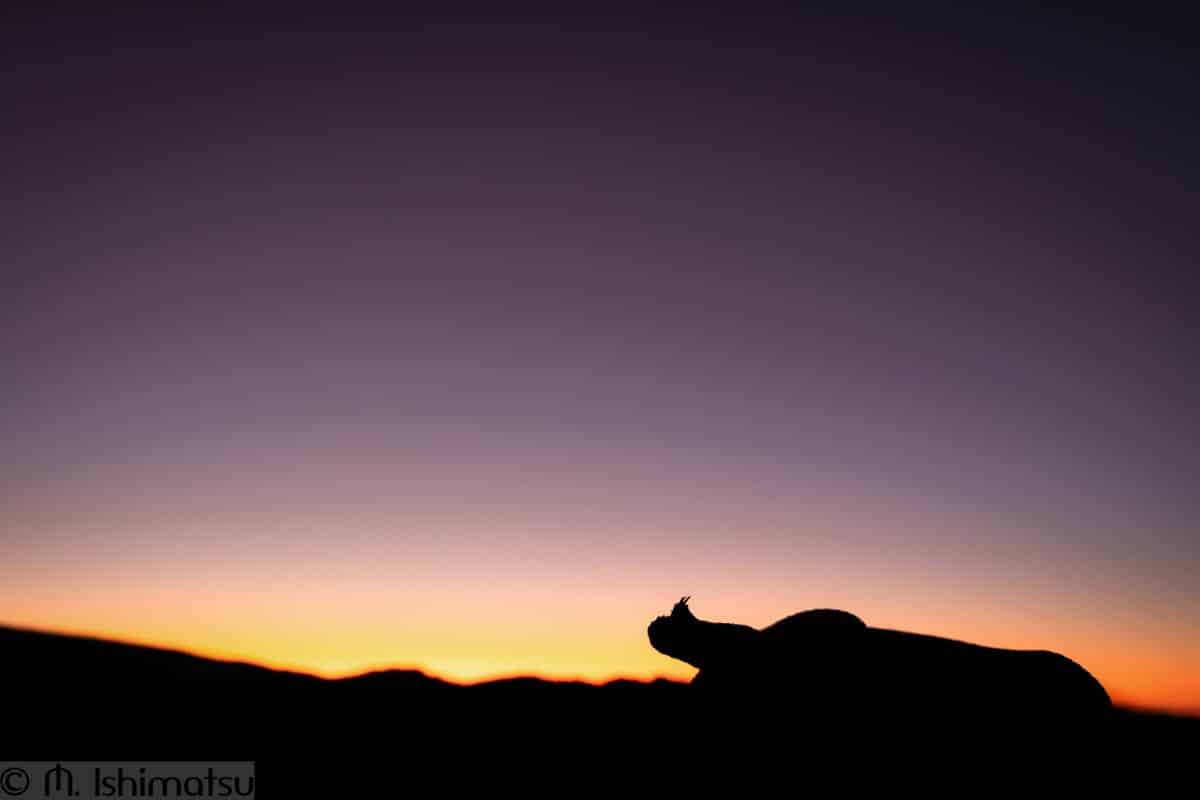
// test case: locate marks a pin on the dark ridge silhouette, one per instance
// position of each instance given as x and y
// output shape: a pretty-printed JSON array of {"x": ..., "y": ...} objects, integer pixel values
[
  {"x": 829, "y": 663},
  {"x": 73, "y": 697}
]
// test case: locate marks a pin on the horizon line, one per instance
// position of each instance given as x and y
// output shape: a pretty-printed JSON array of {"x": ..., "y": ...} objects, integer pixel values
[
  {"x": 334, "y": 676},
  {"x": 1122, "y": 704}
]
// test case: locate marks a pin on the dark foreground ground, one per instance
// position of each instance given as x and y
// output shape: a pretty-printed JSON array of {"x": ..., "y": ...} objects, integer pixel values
[{"x": 73, "y": 698}]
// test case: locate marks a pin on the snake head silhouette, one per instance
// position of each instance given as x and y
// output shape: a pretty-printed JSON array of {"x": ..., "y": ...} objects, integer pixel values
[
  {"x": 702, "y": 644},
  {"x": 673, "y": 635}
]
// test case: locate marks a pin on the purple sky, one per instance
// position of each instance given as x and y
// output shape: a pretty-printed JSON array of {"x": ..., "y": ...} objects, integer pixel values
[{"x": 915, "y": 291}]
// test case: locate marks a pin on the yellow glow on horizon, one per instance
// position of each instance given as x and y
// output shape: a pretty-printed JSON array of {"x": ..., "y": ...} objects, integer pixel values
[
  {"x": 1146, "y": 682},
  {"x": 318, "y": 617}
]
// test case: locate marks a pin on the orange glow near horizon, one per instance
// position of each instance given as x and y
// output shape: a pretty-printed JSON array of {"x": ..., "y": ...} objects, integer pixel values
[{"x": 504, "y": 630}]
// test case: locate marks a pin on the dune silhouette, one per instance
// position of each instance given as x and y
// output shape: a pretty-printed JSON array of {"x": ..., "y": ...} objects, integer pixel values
[{"x": 73, "y": 696}]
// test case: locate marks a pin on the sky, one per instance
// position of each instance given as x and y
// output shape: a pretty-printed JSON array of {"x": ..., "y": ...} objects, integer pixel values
[{"x": 471, "y": 343}]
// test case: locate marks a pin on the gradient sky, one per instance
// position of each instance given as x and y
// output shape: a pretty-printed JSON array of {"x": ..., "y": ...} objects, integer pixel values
[{"x": 472, "y": 344}]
